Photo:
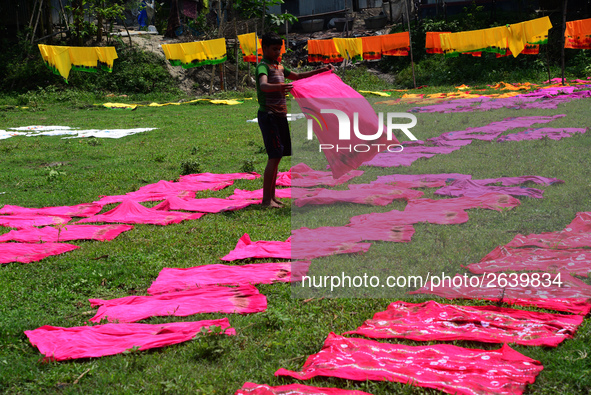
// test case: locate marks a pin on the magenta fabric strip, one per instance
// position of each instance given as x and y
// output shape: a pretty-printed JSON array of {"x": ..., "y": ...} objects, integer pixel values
[
  {"x": 245, "y": 248},
  {"x": 207, "y": 299},
  {"x": 62, "y": 344},
  {"x": 178, "y": 279},
  {"x": 26, "y": 253},
  {"x": 281, "y": 193},
  {"x": 144, "y": 197},
  {"x": 447, "y": 177},
  {"x": 26, "y": 221},
  {"x": 303, "y": 176},
  {"x": 507, "y": 181},
  {"x": 67, "y": 233},
  {"x": 218, "y": 178},
  {"x": 431, "y": 321},
  {"x": 207, "y": 205},
  {"x": 79, "y": 210},
  {"x": 540, "y": 133},
  {"x": 375, "y": 196},
  {"x": 293, "y": 389},
  {"x": 448, "y": 368},
  {"x": 471, "y": 188}
]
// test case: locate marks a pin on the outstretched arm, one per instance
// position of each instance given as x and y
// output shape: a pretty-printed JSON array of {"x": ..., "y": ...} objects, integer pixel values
[
  {"x": 267, "y": 87},
  {"x": 298, "y": 76}
]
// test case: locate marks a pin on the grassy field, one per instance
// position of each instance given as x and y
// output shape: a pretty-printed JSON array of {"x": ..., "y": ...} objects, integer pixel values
[{"x": 55, "y": 291}]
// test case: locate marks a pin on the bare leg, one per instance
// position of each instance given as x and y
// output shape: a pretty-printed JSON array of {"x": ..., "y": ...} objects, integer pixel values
[{"x": 269, "y": 179}]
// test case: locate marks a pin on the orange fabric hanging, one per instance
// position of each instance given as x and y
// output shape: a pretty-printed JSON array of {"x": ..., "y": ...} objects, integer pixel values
[
  {"x": 372, "y": 47},
  {"x": 396, "y": 44},
  {"x": 578, "y": 34},
  {"x": 323, "y": 51},
  {"x": 250, "y": 56},
  {"x": 433, "y": 42}
]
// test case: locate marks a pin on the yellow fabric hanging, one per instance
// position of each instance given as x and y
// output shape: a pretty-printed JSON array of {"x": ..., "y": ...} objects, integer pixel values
[
  {"x": 107, "y": 56},
  {"x": 196, "y": 53},
  {"x": 248, "y": 43},
  {"x": 83, "y": 57},
  {"x": 522, "y": 33},
  {"x": 215, "y": 49},
  {"x": 61, "y": 59},
  {"x": 349, "y": 48},
  {"x": 475, "y": 40}
]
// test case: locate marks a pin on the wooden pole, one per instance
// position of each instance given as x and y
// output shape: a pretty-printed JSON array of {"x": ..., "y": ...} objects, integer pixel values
[
  {"x": 563, "y": 38},
  {"x": 547, "y": 56},
  {"x": 37, "y": 21},
  {"x": 64, "y": 14},
  {"x": 236, "y": 53},
  {"x": 412, "y": 63}
]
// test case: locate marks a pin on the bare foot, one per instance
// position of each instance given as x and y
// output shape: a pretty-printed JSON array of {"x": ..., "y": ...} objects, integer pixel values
[
  {"x": 278, "y": 202},
  {"x": 271, "y": 203}
]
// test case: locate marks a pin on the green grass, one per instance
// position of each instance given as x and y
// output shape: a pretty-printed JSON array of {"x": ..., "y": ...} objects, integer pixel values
[{"x": 55, "y": 291}]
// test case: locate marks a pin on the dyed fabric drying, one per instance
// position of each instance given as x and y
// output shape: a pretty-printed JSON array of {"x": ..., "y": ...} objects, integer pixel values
[
  {"x": 578, "y": 34},
  {"x": 374, "y": 196},
  {"x": 257, "y": 195},
  {"x": 66, "y": 233},
  {"x": 207, "y": 205},
  {"x": 554, "y": 240},
  {"x": 62, "y": 344},
  {"x": 303, "y": 176},
  {"x": 326, "y": 91},
  {"x": 490, "y": 201},
  {"x": 540, "y": 133},
  {"x": 406, "y": 184},
  {"x": 61, "y": 59},
  {"x": 293, "y": 389},
  {"x": 431, "y": 321},
  {"x": 80, "y": 210},
  {"x": 507, "y": 181},
  {"x": 26, "y": 253},
  {"x": 323, "y": 51},
  {"x": 329, "y": 240},
  {"x": 433, "y": 42},
  {"x": 218, "y": 178},
  {"x": 408, "y": 156},
  {"x": 26, "y": 221},
  {"x": 501, "y": 259},
  {"x": 349, "y": 48},
  {"x": 208, "y": 299},
  {"x": 144, "y": 197},
  {"x": 372, "y": 47},
  {"x": 245, "y": 248},
  {"x": 283, "y": 179},
  {"x": 130, "y": 212},
  {"x": 471, "y": 188},
  {"x": 447, "y": 177},
  {"x": 396, "y": 44},
  {"x": 571, "y": 296},
  {"x": 177, "y": 279},
  {"x": 250, "y": 46},
  {"x": 448, "y": 368},
  {"x": 198, "y": 53}
]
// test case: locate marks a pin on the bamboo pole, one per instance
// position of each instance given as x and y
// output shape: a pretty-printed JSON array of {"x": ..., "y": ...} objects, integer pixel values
[
  {"x": 36, "y": 21},
  {"x": 563, "y": 38},
  {"x": 412, "y": 63}
]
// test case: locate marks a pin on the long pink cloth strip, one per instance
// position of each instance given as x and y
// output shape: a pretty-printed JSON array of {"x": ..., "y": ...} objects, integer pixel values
[
  {"x": 471, "y": 188},
  {"x": 447, "y": 177},
  {"x": 508, "y": 181},
  {"x": 327, "y": 91},
  {"x": 325, "y": 241},
  {"x": 293, "y": 389},
  {"x": 374, "y": 196},
  {"x": 26, "y": 221},
  {"x": 206, "y": 205},
  {"x": 61, "y": 344},
  {"x": 555, "y": 240},
  {"x": 540, "y": 133},
  {"x": 208, "y": 299},
  {"x": 571, "y": 296},
  {"x": 403, "y": 184},
  {"x": 130, "y": 212},
  {"x": 246, "y": 248},
  {"x": 67, "y": 233},
  {"x": 571, "y": 261},
  {"x": 409, "y": 155},
  {"x": 26, "y": 253},
  {"x": 451, "y": 369},
  {"x": 303, "y": 176},
  {"x": 79, "y": 210},
  {"x": 213, "y": 177},
  {"x": 177, "y": 279},
  {"x": 241, "y": 194},
  {"x": 431, "y": 321},
  {"x": 145, "y": 197}
]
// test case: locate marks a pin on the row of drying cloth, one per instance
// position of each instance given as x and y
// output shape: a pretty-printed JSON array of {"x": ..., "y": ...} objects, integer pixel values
[
  {"x": 61, "y": 59},
  {"x": 251, "y": 44},
  {"x": 132, "y": 106},
  {"x": 197, "y": 53},
  {"x": 355, "y": 49},
  {"x": 578, "y": 34}
]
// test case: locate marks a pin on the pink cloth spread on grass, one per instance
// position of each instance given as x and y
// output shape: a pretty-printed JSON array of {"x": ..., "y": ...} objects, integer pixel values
[
  {"x": 281, "y": 193},
  {"x": 283, "y": 179},
  {"x": 61, "y": 344},
  {"x": 130, "y": 212},
  {"x": 577, "y": 234},
  {"x": 293, "y": 389},
  {"x": 144, "y": 197},
  {"x": 26, "y": 253},
  {"x": 67, "y": 233},
  {"x": 177, "y": 279},
  {"x": 325, "y": 241},
  {"x": 26, "y": 221},
  {"x": 245, "y": 248},
  {"x": 571, "y": 296},
  {"x": 471, "y": 188},
  {"x": 374, "y": 196},
  {"x": 207, "y": 205},
  {"x": 327, "y": 91},
  {"x": 403, "y": 184},
  {"x": 218, "y": 178},
  {"x": 571, "y": 261},
  {"x": 303, "y": 176},
  {"x": 507, "y": 181},
  {"x": 408, "y": 155},
  {"x": 208, "y": 299},
  {"x": 581, "y": 223},
  {"x": 451, "y": 369},
  {"x": 446, "y": 177},
  {"x": 540, "y": 133},
  {"x": 431, "y": 321},
  {"x": 80, "y": 210}
]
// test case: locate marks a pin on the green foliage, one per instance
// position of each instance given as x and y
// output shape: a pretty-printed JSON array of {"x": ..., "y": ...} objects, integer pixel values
[
  {"x": 190, "y": 166},
  {"x": 247, "y": 166}
]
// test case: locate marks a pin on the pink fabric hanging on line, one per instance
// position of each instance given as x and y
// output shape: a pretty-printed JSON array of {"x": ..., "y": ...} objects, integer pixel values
[
  {"x": 67, "y": 233},
  {"x": 80, "y": 210},
  {"x": 447, "y": 177},
  {"x": 130, "y": 212},
  {"x": 293, "y": 389},
  {"x": 374, "y": 196},
  {"x": 208, "y": 299},
  {"x": 448, "y": 368},
  {"x": 26, "y": 221},
  {"x": 245, "y": 248},
  {"x": 206, "y": 205},
  {"x": 540, "y": 133},
  {"x": 26, "y": 253},
  {"x": 571, "y": 261},
  {"x": 327, "y": 91},
  {"x": 572, "y": 296},
  {"x": 303, "y": 176},
  {"x": 218, "y": 178},
  {"x": 177, "y": 279},
  {"x": 471, "y": 188},
  {"x": 61, "y": 344},
  {"x": 431, "y": 321}
]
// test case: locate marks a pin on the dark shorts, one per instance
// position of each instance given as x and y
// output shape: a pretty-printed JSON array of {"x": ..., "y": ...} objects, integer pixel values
[{"x": 276, "y": 137}]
